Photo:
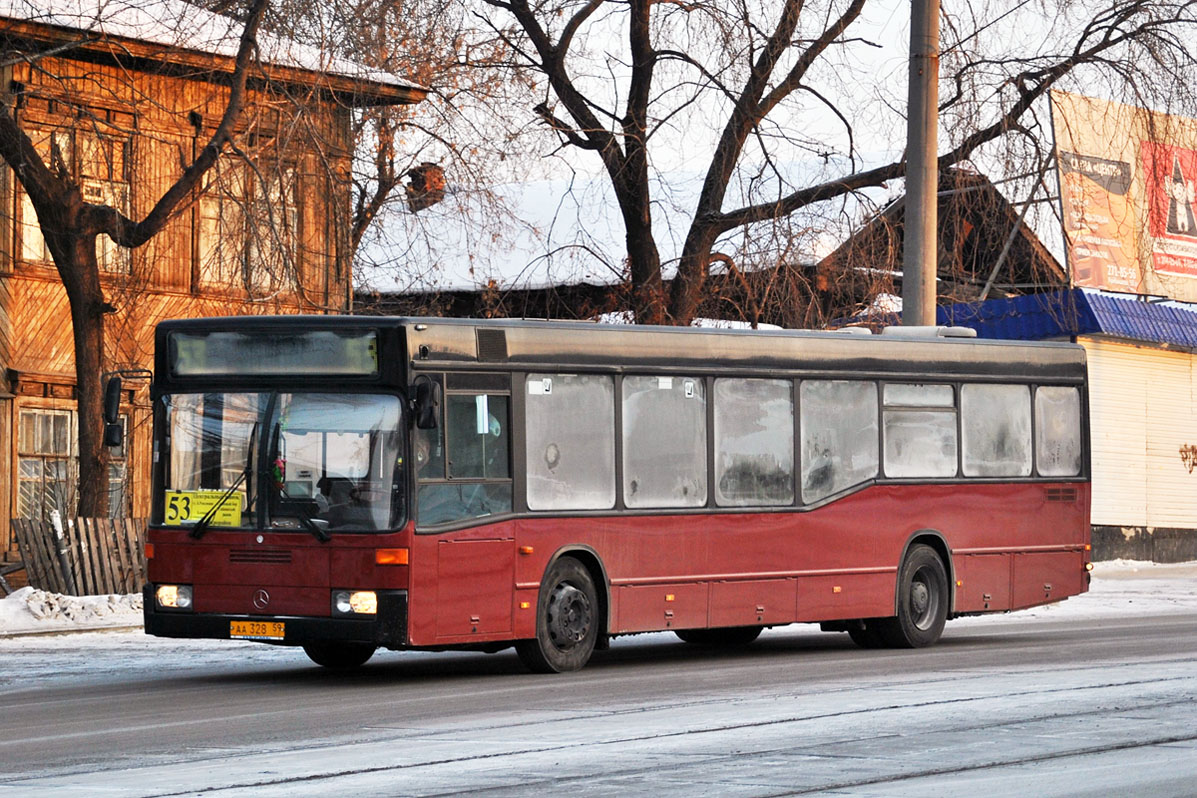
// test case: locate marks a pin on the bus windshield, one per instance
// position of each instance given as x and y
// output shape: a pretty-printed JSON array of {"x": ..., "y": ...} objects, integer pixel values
[{"x": 306, "y": 461}]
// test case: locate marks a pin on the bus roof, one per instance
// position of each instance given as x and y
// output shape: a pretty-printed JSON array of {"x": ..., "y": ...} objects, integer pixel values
[{"x": 528, "y": 345}]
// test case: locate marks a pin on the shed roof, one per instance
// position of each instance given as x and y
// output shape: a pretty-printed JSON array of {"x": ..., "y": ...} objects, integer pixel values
[{"x": 1077, "y": 312}]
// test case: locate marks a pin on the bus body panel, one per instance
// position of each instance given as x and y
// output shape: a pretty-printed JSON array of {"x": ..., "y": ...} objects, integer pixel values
[{"x": 691, "y": 571}]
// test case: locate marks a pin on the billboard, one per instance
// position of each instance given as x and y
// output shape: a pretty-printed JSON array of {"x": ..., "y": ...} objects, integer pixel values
[{"x": 1128, "y": 190}]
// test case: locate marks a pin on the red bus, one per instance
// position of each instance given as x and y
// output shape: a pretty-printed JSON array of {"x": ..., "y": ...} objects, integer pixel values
[{"x": 349, "y": 483}]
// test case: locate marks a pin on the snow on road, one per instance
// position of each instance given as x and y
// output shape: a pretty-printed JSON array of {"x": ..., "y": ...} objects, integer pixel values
[{"x": 1068, "y": 728}]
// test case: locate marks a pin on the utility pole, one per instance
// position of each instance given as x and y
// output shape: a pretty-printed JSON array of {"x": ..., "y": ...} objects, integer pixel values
[{"x": 920, "y": 247}]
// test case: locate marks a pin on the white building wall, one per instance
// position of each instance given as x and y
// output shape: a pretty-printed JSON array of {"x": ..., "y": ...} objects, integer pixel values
[{"x": 1142, "y": 414}]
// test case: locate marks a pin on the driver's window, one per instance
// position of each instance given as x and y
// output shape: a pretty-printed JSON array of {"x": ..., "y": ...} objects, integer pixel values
[
  {"x": 464, "y": 467},
  {"x": 478, "y": 436}
]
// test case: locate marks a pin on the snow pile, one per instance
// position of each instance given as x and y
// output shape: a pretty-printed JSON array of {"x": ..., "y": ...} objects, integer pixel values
[{"x": 30, "y": 609}]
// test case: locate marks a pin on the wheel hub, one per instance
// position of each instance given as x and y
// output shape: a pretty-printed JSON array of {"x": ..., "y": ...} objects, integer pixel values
[
  {"x": 920, "y": 598},
  {"x": 569, "y": 616}
]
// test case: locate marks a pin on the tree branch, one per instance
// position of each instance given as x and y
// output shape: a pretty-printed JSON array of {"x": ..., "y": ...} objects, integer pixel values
[{"x": 122, "y": 229}]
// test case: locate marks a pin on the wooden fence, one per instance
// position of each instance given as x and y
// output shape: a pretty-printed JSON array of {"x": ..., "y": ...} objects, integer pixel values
[{"x": 83, "y": 556}]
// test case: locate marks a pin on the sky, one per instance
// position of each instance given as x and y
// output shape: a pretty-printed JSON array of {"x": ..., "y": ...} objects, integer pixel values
[{"x": 572, "y": 230}]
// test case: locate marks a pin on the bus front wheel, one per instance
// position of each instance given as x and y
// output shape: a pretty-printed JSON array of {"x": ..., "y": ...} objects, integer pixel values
[
  {"x": 567, "y": 620},
  {"x": 339, "y": 655},
  {"x": 922, "y": 601}
]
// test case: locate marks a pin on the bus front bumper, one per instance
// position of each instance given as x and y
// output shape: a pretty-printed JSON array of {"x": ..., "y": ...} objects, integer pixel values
[{"x": 388, "y": 628}]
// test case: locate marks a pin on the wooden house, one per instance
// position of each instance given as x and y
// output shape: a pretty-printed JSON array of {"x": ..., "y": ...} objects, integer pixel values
[
  {"x": 123, "y": 101},
  {"x": 985, "y": 250}
]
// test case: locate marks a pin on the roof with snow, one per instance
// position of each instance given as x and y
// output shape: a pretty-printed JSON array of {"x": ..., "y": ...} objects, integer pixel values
[
  {"x": 193, "y": 35},
  {"x": 1077, "y": 312}
]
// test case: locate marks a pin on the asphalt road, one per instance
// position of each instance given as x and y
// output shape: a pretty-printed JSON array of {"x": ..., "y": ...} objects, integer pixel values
[{"x": 1101, "y": 707}]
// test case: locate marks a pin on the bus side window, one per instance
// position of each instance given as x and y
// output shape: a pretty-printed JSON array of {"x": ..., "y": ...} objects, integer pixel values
[
  {"x": 840, "y": 439},
  {"x": 996, "y": 424},
  {"x": 479, "y": 440},
  {"x": 919, "y": 430},
  {"x": 1058, "y": 431},
  {"x": 754, "y": 442},
  {"x": 664, "y": 441},
  {"x": 570, "y": 441}
]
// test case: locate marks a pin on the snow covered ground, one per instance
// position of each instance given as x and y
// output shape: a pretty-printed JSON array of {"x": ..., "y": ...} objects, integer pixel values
[
  {"x": 29, "y": 610},
  {"x": 1119, "y": 588},
  {"x": 116, "y": 713}
]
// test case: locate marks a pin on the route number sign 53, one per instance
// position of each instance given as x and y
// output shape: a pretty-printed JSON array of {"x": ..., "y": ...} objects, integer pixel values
[{"x": 184, "y": 506}]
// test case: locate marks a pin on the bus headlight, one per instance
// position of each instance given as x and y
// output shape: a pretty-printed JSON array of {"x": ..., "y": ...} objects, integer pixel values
[
  {"x": 173, "y": 597},
  {"x": 354, "y": 602}
]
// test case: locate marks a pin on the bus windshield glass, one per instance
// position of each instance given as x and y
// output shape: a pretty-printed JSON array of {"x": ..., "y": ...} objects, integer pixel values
[{"x": 305, "y": 461}]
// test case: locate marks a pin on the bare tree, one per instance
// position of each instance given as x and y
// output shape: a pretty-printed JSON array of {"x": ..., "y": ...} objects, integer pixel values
[
  {"x": 454, "y": 148},
  {"x": 72, "y": 225},
  {"x": 756, "y": 86}
]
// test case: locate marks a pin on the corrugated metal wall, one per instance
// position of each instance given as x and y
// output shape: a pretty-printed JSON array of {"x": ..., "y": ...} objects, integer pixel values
[{"x": 1142, "y": 408}]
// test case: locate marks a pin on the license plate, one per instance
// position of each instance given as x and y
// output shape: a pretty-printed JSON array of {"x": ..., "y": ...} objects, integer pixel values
[{"x": 257, "y": 630}]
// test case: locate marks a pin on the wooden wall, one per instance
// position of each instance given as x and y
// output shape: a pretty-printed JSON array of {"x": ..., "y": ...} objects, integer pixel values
[{"x": 165, "y": 117}]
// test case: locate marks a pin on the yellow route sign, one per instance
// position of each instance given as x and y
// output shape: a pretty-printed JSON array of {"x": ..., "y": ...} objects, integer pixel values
[{"x": 184, "y": 506}]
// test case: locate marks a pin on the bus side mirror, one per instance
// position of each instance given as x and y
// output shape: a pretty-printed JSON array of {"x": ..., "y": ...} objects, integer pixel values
[
  {"x": 427, "y": 403},
  {"x": 114, "y": 433},
  {"x": 112, "y": 400}
]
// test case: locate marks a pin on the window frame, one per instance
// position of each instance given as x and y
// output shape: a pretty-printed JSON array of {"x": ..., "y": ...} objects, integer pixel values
[
  {"x": 466, "y": 385},
  {"x": 953, "y": 408},
  {"x": 241, "y": 193},
  {"x": 115, "y": 188}
]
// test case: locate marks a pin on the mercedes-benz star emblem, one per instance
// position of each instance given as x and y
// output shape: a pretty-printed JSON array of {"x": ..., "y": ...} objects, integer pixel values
[{"x": 261, "y": 599}]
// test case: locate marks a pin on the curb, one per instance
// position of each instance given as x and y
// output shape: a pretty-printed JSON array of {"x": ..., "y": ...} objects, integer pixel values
[{"x": 68, "y": 630}]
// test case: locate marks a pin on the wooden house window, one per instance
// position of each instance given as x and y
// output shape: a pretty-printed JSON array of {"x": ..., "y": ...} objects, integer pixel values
[
  {"x": 272, "y": 232},
  {"x": 99, "y": 164},
  {"x": 104, "y": 180},
  {"x": 45, "y": 460},
  {"x": 249, "y": 227},
  {"x": 221, "y": 225},
  {"x": 47, "y": 465}
]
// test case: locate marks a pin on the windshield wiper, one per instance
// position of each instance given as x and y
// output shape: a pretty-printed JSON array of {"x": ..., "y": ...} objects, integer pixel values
[
  {"x": 201, "y": 526},
  {"x": 310, "y": 525}
]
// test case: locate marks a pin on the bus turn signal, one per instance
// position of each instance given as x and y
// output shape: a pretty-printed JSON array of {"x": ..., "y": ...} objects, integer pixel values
[{"x": 390, "y": 556}]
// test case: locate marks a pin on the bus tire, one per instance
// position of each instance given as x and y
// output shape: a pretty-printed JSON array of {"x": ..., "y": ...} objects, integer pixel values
[
  {"x": 922, "y": 601},
  {"x": 730, "y": 637},
  {"x": 340, "y": 656},
  {"x": 568, "y": 617}
]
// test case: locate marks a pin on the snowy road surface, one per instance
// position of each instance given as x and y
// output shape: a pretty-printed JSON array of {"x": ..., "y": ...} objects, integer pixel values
[{"x": 1097, "y": 696}]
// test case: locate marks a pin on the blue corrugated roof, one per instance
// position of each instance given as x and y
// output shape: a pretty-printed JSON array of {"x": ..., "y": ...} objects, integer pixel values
[{"x": 1076, "y": 312}]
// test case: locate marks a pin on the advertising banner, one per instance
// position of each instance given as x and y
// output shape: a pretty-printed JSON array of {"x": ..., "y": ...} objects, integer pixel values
[{"x": 1128, "y": 191}]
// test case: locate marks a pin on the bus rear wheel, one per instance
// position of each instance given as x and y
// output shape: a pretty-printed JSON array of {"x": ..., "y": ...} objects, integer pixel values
[
  {"x": 731, "y": 637},
  {"x": 567, "y": 620},
  {"x": 339, "y": 655},
  {"x": 922, "y": 601}
]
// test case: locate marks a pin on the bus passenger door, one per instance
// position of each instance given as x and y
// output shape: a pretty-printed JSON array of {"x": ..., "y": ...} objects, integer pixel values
[{"x": 473, "y": 587}]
